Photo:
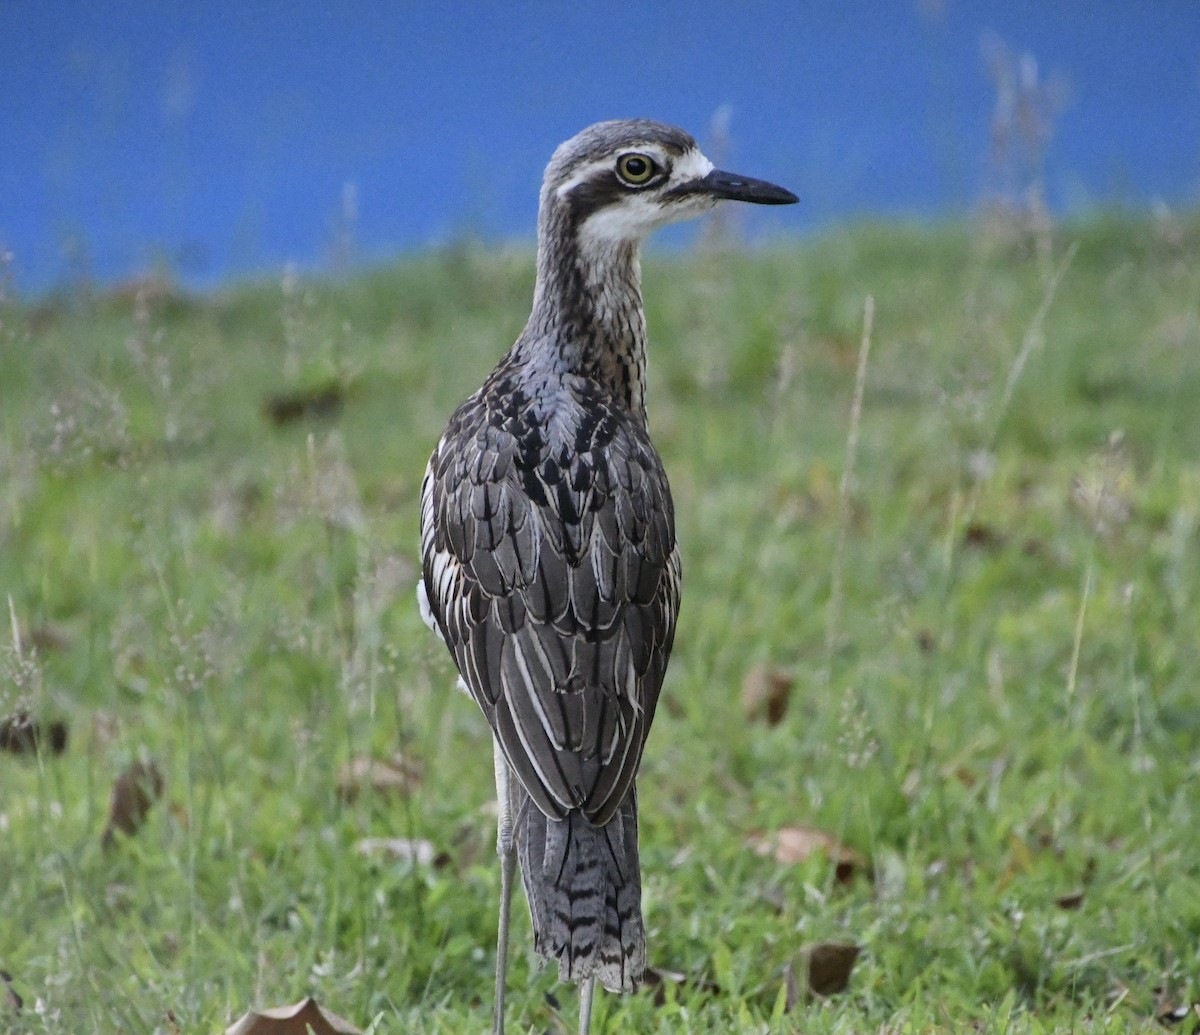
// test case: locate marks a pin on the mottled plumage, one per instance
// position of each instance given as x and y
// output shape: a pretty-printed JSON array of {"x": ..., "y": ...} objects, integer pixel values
[{"x": 550, "y": 561}]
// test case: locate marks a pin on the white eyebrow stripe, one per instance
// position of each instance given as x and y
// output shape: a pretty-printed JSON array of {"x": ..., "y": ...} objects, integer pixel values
[{"x": 582, "y": 174}]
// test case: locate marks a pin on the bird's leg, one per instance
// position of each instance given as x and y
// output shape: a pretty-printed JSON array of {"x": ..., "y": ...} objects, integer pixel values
[
  {"x": 506, "y": 848},
  {"x": 587, "y": 988}
]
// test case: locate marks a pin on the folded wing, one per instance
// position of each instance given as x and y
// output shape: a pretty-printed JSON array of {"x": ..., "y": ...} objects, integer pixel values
[{"x": 551, "y": 569}]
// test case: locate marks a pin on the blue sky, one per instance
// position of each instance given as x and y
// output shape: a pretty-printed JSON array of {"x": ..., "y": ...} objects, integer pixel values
[{"x": 222, "y": 138}]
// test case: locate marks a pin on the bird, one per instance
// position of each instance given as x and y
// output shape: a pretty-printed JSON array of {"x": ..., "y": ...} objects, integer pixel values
[{"x": 550, "y": 566}]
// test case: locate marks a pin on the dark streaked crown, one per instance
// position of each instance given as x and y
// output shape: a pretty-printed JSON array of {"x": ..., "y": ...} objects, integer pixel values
[{"x": 607, "y": 138}]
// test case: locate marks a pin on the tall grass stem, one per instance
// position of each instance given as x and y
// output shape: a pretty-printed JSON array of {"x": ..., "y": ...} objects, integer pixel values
[{"x": 834, "y": 613}]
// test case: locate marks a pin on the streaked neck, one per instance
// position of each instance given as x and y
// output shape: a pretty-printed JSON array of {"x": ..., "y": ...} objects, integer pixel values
[{"x": 587, "y": 317}]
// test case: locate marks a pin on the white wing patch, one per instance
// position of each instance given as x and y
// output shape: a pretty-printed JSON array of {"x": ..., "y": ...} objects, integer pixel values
[{"x": 427, "y": 611}]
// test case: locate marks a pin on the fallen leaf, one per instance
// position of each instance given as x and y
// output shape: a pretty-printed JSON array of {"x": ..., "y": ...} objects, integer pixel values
[
  {"x": 302, "y": 1018},
  {"x": 11, "y": 997},
  {"x": 404, "y": 849},
  {"x": 382, "y": 776},
  {"x": 1073, "y": 900},
  {"x": 792, "y": 845},
  {"x": 133, "y": 794},
  {"x": 765, "y": 693},
  {"x": 825, "y": 967},
  {"x": 323, "y": 401},
  {"x": 21, "y": 734},
  {"x": 982, "y": 537},
  {"x": 46, "y": 638},
  {"x": 656, "y": 980},
  {"x": 673, "y": 705},
  {"x": 1178, "y": 1014}
]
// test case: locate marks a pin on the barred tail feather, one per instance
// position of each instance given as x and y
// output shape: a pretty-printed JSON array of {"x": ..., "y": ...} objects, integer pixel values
[{"x": 584, "y": 888}]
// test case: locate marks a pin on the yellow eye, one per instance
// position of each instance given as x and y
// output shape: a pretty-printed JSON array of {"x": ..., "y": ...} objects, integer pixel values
[{"x": 636, "y": 169}]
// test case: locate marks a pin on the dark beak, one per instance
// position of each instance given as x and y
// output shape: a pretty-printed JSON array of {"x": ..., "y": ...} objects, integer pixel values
[{"x": 731, "y": 187}]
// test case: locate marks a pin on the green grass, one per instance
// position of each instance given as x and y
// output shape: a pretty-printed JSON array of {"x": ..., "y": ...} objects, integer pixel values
[{"x": 1001, "y": 710}]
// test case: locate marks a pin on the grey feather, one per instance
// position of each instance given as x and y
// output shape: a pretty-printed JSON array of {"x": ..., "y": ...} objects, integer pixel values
[
  {"x": 549, "y": 560},
  {"x": 552, "y": 571},
  {"x": 584, "y": 888}
]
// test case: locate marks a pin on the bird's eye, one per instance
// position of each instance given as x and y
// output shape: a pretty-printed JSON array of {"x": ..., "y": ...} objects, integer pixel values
[{"x": 636, "y": 169}]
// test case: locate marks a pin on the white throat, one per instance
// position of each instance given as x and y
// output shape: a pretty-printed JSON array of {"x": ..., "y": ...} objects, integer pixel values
[{"x": 639, "y": 214}]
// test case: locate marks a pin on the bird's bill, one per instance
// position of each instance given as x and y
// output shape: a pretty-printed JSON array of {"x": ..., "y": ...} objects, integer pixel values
[{"x": 729, "y": 186}]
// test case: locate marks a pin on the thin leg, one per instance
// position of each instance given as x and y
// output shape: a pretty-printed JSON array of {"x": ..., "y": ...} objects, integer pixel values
[
  {"x": 506, "y": 848},
  {"x": 508, "y": 865},
  {"x": 586, "y": 989}
]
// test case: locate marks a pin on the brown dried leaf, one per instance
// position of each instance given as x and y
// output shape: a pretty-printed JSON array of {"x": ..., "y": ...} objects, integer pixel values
[
  {"x": 825, "y": 967},
  {"x": 1172, "y": 1015},
  {"x": 12, "y": 999},
  {"x": 383, "y": 776},
  {"x": 982, "y": 536},
  {"x": 301, "y": 1018},
  {"x": 306, "y": 404},
  {"x": 829, "y": 966},
  {"x": 133, "y": 794},
  {"x": 656, "y": 980},
  {"x": 765, "y": 694},
  {"x": 1073, "y": 900},
  {"x": 673, "y": 705},
  {"x": 21, "y": 734},
  {"x": 793, "y": 845},
  {"x": 46, "y": 638}
]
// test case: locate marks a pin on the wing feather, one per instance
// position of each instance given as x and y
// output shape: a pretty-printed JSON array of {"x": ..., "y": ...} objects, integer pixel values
[{"x": 553, "y": 576}]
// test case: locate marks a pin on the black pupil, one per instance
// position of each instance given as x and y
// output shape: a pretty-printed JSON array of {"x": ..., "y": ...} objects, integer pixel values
[{"x": 636, "y": 167}]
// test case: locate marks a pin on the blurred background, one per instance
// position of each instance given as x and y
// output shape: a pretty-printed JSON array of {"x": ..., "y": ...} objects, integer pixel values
[
  {"x": 215, "y": 140},
  {"x": 943, "y": 561}
]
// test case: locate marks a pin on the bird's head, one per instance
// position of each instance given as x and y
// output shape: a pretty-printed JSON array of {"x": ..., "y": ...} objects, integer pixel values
[{"x": 619, "y": 180}]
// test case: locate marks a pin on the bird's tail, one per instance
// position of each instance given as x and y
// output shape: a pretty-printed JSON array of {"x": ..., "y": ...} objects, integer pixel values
[{"x": 584, "y": 888}]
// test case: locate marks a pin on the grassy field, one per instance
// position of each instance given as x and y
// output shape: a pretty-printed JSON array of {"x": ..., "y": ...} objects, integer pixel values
[{"x": 988, "y": 635}]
